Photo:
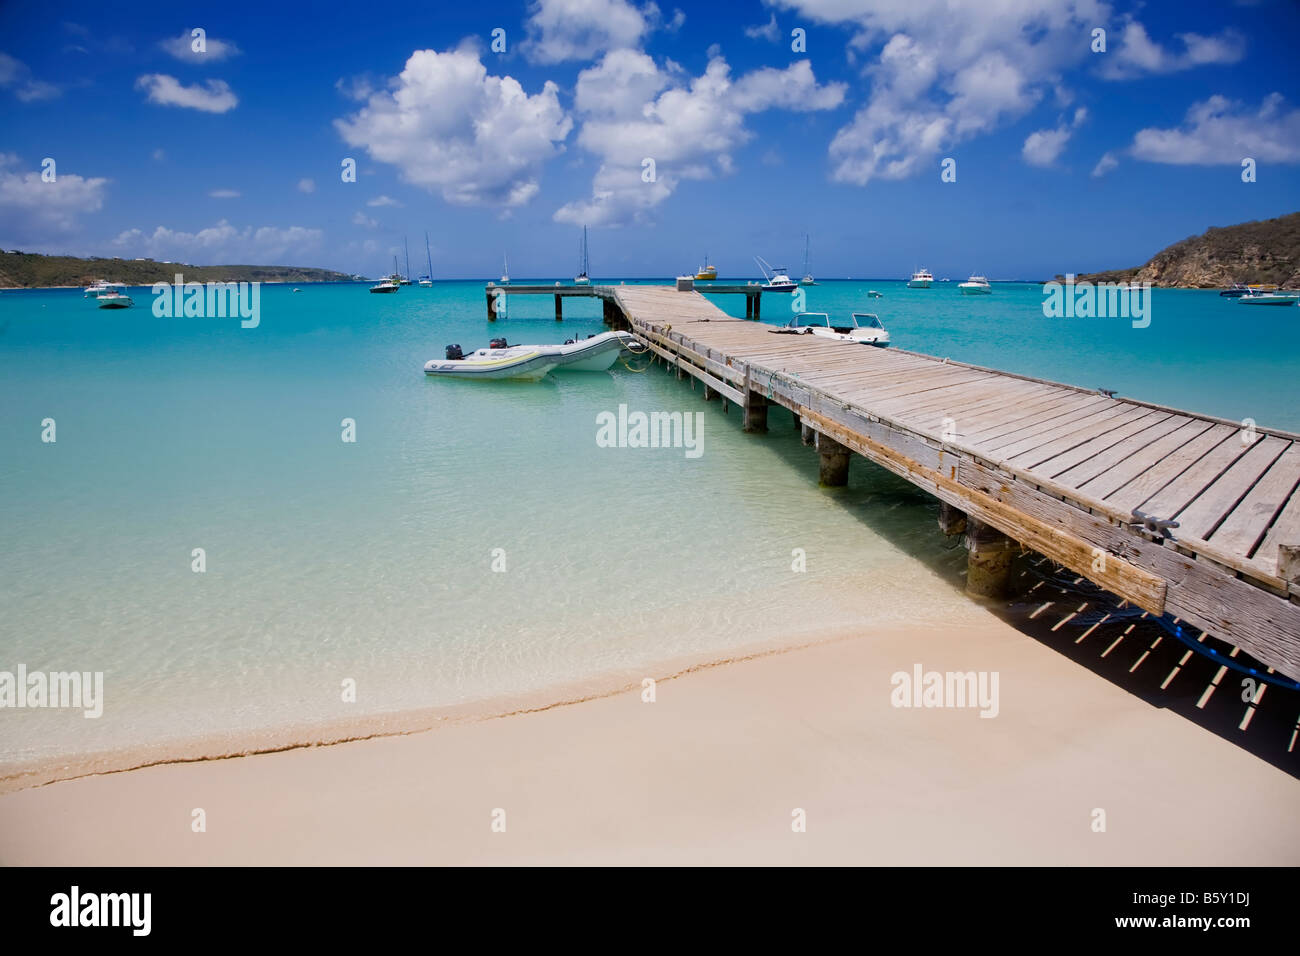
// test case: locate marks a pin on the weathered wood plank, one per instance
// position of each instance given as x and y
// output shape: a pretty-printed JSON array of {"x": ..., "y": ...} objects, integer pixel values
[
  {"x": 1245, "y": 526},
  {"x": 1209, "y": 489}
]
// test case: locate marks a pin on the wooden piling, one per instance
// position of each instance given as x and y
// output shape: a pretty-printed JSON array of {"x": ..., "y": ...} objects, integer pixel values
[
  {"x": 755, "y": 412},
  {"x": 952, "y": 520},
  {"x": 834, "y": 466},
  {"x": 989, "y": 553},
  {"x": 559, "y": 310},
  {"x": 806, "y": 433},
  {"x": 492, "y": 305}
]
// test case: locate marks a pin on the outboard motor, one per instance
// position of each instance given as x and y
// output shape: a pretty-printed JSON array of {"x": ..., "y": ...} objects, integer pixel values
[
  {"x": 498, "y": 344},
  {"x": 454, "y": 353},
  {"x": 568, "y": 341}
]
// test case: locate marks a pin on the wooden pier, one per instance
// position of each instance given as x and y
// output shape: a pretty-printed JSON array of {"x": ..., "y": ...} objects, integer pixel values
[
  {"x": 1084, "y": 478},
  {"x": 496, "y": 294}
]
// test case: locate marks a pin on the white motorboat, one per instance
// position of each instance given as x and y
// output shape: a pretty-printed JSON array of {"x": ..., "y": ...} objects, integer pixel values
[
  {"x": 777, "y": 278},
  {"x": 863, "y": 328},
  {"x": 873, "y": 294},
  {"x": 386, "y": 285},
  {"x": 1269, "y": 298},
  {"x": 497, "y": 361},
  {"x": 921, "y": 279},
  {"x": 975, "y": 285},
  {"x": 500, "y": 360},
  {"x": 595, "y": 353},
  {"x": 114, "y": 297},
  {"x": 97, "y": 288}
]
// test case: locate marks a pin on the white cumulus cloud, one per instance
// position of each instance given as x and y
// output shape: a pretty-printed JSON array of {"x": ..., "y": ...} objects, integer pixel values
[
  {"x": 221, "y": 244},
  {"x": 1137, "y": 54},
  {"x": 1220, "y": 131},
  {"x": 182, "y": 48},
  {"x": 633, "y": 111},
  {"x": 32, "y": 210},
  {"x": 559, "y": 30},
  {"x": 212, "y": 97},
  {"x": 946, "y": 73},
  {"x": 1043, "y": 147},
  {"x": 450, "y": 127}
]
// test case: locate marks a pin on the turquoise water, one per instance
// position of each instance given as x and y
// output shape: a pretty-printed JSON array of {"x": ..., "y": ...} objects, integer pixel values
[{"x": 374, "y": 560}]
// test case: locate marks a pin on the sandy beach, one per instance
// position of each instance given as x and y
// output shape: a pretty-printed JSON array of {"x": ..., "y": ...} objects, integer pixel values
[{"x": 714, "y": 772}]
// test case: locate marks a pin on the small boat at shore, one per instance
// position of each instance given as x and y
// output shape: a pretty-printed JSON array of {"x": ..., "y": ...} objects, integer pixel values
[
  {"x": 863, "y": 328},
  {"x": 1269, "y": 298},
  {"x": 975, "y": 285},
  {"x": 500, "y": 360}
]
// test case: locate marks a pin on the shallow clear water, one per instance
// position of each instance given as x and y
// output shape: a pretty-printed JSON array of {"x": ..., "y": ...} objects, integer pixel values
[{"x": 374, "y": 560}]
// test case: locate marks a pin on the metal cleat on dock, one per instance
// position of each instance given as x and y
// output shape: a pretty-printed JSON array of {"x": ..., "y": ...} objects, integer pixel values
[
  {"x": 1108, "y": 392},
  {"x": 1156, "y": 526}
]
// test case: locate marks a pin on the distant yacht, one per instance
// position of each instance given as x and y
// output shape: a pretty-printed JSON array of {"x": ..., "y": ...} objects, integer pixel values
[
  {"x": 1269, "y": 298},
  {"x": 975, "y": 285},
  {"x": 386, "y": 285},
  {"x": 778, "y": 279},
  {"x": 114, "y": 297},
  {"x": 807, "y": 276},
  {"x": 582, "y": 277},
  {"x": 97, "y": 288},
  {"x": 427, "y": 281},
  {"x": 706, "y": 272},
  {"x": 921, "y": 279},
  {"x": 505, "y": 270}
]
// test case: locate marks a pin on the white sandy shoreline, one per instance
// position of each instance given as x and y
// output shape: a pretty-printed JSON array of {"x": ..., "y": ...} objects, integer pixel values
[
  {"x": 20, "y": 775},
  {"x": 711, "y": 773}
]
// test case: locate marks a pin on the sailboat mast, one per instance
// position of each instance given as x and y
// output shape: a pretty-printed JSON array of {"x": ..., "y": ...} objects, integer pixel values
[
  {"x": 407, "y": 274},
  {"x": 428, "y": 257}
]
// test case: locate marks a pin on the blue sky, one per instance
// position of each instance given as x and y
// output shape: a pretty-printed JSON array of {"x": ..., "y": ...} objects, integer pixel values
[{"x": 1066, "y": 159}]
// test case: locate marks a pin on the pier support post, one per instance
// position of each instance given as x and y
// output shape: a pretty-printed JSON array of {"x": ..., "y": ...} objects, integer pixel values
[
  {"x": 834, "y": 470},
  {"x": 806, "y": 433},
  {"x": 492, "y": 305},
  {"x": 758, "y": 303},
  {"x": 749, "y": 306},
  {"x": 754, "y": 418},
  {"x": 709, "y": 394},
  {"x": 988, "y": 560},
  {"x": 755, "y": 412},
  {"x": 951, "y": 520},
  {"x": 559, "y": 310}
]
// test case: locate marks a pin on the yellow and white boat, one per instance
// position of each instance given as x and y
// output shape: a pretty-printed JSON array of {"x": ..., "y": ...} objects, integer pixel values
[{"x": 706, "y": 273}]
